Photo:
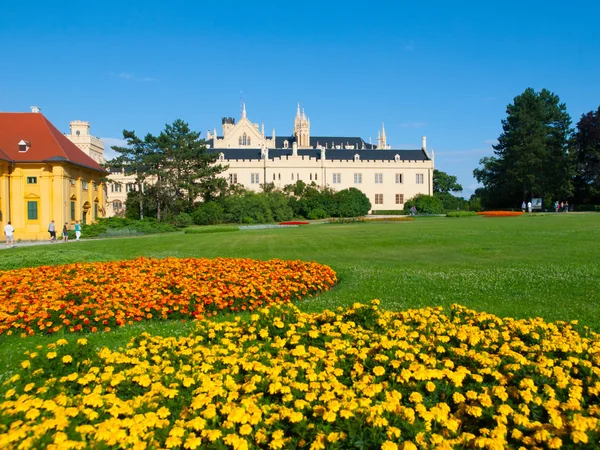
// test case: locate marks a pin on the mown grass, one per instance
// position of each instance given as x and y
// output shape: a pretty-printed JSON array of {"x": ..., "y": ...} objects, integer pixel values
[{"x": 541, "y": 265}]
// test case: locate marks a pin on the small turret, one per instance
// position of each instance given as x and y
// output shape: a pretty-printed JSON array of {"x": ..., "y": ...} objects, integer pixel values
[{"x": 228, "y": 123}]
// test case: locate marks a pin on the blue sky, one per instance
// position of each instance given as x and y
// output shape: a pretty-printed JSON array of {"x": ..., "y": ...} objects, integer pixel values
[{"x": 445, "y": 70}]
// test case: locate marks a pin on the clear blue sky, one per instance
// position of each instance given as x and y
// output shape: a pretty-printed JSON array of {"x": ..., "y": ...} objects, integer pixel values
[{"x": 446, "y": 70}]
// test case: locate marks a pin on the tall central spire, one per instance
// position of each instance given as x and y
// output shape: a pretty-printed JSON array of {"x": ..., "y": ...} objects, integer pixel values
[{"x": 244, "y": 110}]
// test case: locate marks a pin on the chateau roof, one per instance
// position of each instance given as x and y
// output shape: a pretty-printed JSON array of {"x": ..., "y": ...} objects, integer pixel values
[
  {"x": 329, "y": 141},
  {"x": 45, "y": 142},
  {"x": 330, "y": 155}
]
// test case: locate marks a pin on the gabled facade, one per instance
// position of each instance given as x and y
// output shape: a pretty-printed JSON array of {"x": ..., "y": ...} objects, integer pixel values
[{"x": 44, "y": 177}]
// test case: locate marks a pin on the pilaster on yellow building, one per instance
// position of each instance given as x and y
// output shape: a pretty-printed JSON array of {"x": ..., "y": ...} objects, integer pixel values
[{"x": 45, "y": 177}]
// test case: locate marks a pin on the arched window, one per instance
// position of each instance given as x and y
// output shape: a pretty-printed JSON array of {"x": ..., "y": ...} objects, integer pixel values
[
  {"x": 240, "y": 141},
  {"x": 117, "y": 204},
  {"x": 244, "y": 139}
]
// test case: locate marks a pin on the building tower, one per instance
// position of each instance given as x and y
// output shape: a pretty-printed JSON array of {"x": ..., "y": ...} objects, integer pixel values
[
  {"x": 81, "y": 137},
  {"x": 302, "y": 129},
  {"x": 381, "y": 138}
]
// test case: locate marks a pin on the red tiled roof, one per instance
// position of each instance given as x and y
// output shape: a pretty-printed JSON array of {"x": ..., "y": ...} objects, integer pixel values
[{"x": 46, "y": 142}]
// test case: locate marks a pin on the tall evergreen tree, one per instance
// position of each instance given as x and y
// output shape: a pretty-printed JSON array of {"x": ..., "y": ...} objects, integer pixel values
[
  {"x": 134, "y": 159},
  {"x": 586, "y": 147},
  {"x": 532, "y": 155},
  {"x": 189, "y": 171}
]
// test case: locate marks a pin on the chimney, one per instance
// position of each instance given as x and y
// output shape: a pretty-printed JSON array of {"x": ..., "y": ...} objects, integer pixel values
[
  {"x": 424, "y": 143},
  {"x": 36, "y": 109}
]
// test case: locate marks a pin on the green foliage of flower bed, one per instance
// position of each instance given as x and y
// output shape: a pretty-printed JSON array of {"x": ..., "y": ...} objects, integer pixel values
[{"x": 461, "y": 213}]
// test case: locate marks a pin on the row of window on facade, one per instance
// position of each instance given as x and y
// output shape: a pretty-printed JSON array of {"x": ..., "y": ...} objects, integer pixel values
[
  {"x": 337, "y": 178},
  {"x": 118, "y": 187},
  {"x": 33, "y": 209},
  {"x": 84, "y": 184},
  {"x": 379, "y": 199}
]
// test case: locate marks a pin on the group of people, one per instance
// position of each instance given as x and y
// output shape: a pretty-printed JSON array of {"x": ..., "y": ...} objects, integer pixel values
[
  {"x": 9, "y": 232},
  {"x": 558, "y": 207},
  {"x": 65, "y": 231},
  {"x": 562, "y": 206}
]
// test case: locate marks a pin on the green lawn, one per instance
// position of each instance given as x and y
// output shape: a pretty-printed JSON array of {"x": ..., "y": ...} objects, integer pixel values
[{"x": 541, "y": 265}]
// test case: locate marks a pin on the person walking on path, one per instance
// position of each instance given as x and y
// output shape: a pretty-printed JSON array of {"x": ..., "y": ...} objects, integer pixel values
[
  {"x": 9, "y": 232},
  {"x": 65, "y": 232},
  {"x": 77, "y": 230},
  {"x": 52, "y": 231},
  {"x": 523, "y": 206},
  {"x": 566, "y": 207},
  {"x": 529, "y": 208}
]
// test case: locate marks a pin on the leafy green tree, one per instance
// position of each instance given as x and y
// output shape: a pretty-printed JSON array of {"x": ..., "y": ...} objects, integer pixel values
[
  {"x": 586, "y": 146},
  {"x": 352, "y": 203},
  {"x": 532, "y": 155},
  {"x": 444, "y": 183}
]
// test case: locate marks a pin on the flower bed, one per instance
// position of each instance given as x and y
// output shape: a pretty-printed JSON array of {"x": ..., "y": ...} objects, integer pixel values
[
  {"x": 294, "y": 223},
  {"x": 95, "y": 296},
  {"x": 500, "y": 213},
  {"x": 353, "y": 378}
]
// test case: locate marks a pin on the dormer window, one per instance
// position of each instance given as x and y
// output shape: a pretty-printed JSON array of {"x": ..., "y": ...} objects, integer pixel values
[
  {"x": 24, "y": 146},
  {"x": 286, "y": 144}
]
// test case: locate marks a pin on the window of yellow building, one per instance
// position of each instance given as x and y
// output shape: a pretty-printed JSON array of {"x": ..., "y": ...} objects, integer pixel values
[
  {"x": 72, "y": 210},
  {"x": 31, "y": 180},
  {"x": 32, "y": 210}
]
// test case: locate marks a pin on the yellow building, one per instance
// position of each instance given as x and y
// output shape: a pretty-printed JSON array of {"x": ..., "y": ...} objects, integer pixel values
[{"x": 45, "y": 177}]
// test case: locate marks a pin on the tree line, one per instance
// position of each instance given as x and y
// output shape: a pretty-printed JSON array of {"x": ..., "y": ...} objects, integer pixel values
[{"x": 540, "y": 155}]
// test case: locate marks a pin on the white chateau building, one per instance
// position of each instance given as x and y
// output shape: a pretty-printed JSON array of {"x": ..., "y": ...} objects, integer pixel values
[{"x": 387, "y": 176}]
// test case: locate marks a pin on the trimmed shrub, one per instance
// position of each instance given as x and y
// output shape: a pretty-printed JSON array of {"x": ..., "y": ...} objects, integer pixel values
[
  {"x": 390, "y": 212},
  {"x": 351, "y": 203},
  {"x": 461, "y": 213},
  {"x": 593, "y": 208},
  {"x": 146, "y": 226},
  {"x": 210, "y": 213},
  {"x": 425, "y": 204},
  {"x": 317, "y": 213}
]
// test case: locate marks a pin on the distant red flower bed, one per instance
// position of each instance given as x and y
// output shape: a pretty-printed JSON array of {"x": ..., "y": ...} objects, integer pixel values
[
  {"x": 500, "y": 213},
  {"x": 104, "y": 295},
  {"x": 293, "y": 223}
]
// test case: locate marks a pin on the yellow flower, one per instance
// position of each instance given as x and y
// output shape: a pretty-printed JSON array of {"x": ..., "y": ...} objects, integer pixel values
[
  {"x": 378, "y": 371},
  {"x": 25, "y": 364},
  {"x": 245, "y": 429},
  {"x": 67, "y": 359},
  {"x": 415, "y": 397},
  {"x": 51, "y": 355},
  {"x": 579, "y": 437},
  {"x": 430, "y": 386},
  {"x": 192, "y": 441},
  {"x": 389, "y": 445},
  {"x": 82, "y": 341}
]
